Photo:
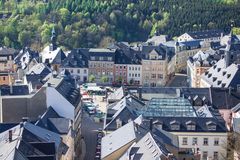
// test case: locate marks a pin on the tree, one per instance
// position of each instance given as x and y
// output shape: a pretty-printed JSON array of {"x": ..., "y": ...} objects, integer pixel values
[
  {"x": 120, "y": 79},
  {"x": 104, "y": 79},
  {"x": 24, "y": 38},
  {"x": 91, "y": 78},
  {"x": 7, "y": 42},
  {"x": 236, "y": 30}
]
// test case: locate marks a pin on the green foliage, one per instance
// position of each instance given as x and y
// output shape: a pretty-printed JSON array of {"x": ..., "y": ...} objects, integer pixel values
[
  {"x": 236, "y": 30},
  {"x": 104, "y": 79},
  {"x": 91, "y": 78},
  {"x": 85, "y": 23}
]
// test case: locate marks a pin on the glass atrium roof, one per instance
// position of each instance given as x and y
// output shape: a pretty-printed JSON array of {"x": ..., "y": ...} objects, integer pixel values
[{"x": 169, "y": 107}]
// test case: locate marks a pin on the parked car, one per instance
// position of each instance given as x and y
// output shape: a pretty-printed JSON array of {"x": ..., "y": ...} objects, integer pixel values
[{"x": 91, "y": 110}]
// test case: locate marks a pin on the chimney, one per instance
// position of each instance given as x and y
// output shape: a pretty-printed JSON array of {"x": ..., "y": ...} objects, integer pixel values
[
  {"x": 25, "y": 119},
  {"x": 151, "y": 124},
  {"x": 140, "y": 93},
  {"x": 10, "y": 135}
]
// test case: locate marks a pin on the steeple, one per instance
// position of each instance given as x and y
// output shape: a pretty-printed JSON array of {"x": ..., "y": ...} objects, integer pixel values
[{"x": 53, "y": 44}]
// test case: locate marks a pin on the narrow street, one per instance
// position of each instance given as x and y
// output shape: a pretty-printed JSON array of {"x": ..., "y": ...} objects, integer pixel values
[{"x": 89, "y": 132}]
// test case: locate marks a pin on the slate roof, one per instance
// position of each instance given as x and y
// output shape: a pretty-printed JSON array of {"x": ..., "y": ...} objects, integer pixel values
[
  {"x": 6, "y": 126},
  {"x": 204, "y": 58},
  {"x": 157, "y": 40},
  {"x": 102, "y": 52},
  {"x": 223, "y": 98},
  {"x": 77, "y": 58},
  {"x": 122, "y": 58},
  {"x": 201, "y": 123},
  {"x": 28, "y": 52},
  {"x": 4, "y": 51},
  {"x": 52, "y": 121},
  {"x": 55, "y": 57},
  {"x": 124, "y": 110},
  {"x": 148, "y": 147},
  {"x": 111, "y": 142},
  {"x": 221, "y": 76},
  {"x": 66, "y": 88},
  {"x": 188, "y": 45},
  {"x": 39, "y": 68},
  {"x": 29, "y": 141},
  {"x": 16, "y": 90},
  {"x": 117, "y": 94},
  {"x": 205, "y": 34},
  {"x": 157, "y": 49}
]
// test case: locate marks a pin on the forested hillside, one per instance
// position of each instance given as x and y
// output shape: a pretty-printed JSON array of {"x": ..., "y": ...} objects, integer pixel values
[{"x": 90, "y": 23}]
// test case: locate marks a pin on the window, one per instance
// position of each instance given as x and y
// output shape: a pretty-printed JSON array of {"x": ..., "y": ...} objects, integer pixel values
[
  {"x": 78, "y": 71},
  {"x": 92, "y": 58},
  {"x": 138, "y": 74},
  {"x": 184, "y": 141},
  {"x": 129, "y": 74},
  {"x": 120, "y": 67},
  {"x": 153, "y": 76},
  {"x": 191, "y": 127},
  {"x": 160, "y": 76},
  {"x": 216, "y": 141},
  {"x": 215, "y": 155},
  {"x": 194, "y": 140},
  {"x": 71, "y": 71},
  {"x": 109, "y": 58},
  {"x": 129, "y": 68},
  {"x": 100, "y": 58},
  {"x": 204, "y": 155},
  {"x": 85, "y": 71},
  {"x": 4, "y": 78},
  {"x": 205, "y": 141},
  {"x": 124, "y": 67}
]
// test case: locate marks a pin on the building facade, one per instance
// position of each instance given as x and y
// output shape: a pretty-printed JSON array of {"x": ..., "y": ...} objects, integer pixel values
[
  {"x": 76, "y": 63},
  {"x": 101, "y": 65},
  {"x": 183, "y": 50},
  {"x": 154, "y": 68},
  {"x": 197, "y": 65}
]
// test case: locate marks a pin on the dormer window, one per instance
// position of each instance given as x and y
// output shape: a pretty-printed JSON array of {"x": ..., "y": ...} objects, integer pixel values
[
  {"x": 215, "y": 66},
  {"x": 223, "y": 85},
  {"x": 158, "y": 124},
  {"x": 211, "y": 126},
  {"x": 219, "y": 82},
  {"x": 219, "y": 69},
  {"x": 206, "y": 72},
  {"x": 175, "y": 125},
  {"x": 118, "y": 123},
  {"x": 191, "y": 126}
]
